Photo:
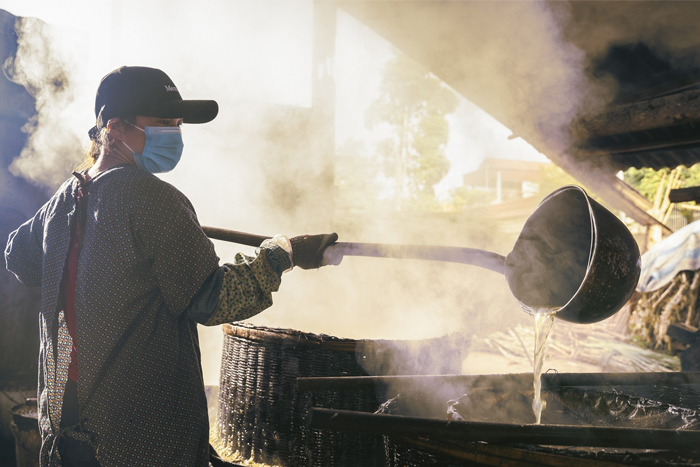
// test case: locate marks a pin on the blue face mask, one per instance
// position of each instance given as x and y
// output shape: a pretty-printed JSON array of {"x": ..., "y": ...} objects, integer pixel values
[{"x": 162, "y": 150}]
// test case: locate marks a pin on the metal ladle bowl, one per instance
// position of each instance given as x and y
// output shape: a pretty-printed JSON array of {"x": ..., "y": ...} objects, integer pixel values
[{"x": 575, "y": 256}]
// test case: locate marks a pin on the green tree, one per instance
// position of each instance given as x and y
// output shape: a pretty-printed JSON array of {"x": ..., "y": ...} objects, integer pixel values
[
  {"x": 647, "y": 180},
  {"x": 655, "y": 184},
  {"x": 413, "y": 103}
]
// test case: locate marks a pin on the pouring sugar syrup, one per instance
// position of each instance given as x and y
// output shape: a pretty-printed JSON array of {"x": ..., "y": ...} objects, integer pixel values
[
  {"x": 573, "y": 259},
  {"x": 544, "y": 320},
  {"x": 548, "y": 266}
]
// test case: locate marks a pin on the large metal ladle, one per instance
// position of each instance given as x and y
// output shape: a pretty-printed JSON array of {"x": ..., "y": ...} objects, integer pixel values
[{"x": 572, "y": 255}]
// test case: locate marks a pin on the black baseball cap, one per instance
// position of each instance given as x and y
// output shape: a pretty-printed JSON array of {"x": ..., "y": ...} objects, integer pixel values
[{"x": 137, "y": 90}]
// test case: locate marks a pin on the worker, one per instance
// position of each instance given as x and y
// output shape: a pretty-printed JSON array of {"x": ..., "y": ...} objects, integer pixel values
[{"x": 126, "y": 273}]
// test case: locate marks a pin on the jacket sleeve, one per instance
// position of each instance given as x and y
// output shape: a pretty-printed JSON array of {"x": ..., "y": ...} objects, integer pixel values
[
  {"x": 246, "y": 290},
  {"x": 24, "y": 250},
  {"x": 237, "y": 291}
]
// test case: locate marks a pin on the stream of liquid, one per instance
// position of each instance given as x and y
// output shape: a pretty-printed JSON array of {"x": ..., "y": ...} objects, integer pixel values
[{"x": 544, "y": 319}]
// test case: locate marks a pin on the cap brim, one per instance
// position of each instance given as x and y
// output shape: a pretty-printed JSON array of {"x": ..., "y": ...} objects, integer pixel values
[{"x": 189, "y": 111}]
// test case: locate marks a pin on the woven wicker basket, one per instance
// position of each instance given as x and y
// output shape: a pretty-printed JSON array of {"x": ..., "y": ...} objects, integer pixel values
[
  {"x": 262, "y": 414},
  {"x": 401, "y": 453}
]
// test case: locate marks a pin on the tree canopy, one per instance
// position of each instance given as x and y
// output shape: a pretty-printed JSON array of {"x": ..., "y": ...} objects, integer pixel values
[
  {"x": 413, "y": 103},
  {"x": 656, "y": 185},
  {"x": 647, "y": 180}
]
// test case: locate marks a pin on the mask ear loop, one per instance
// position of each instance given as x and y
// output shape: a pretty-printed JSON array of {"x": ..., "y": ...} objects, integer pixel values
[
  {"x": 130, "y": 124},
  {"x": 127, "y": 146}
]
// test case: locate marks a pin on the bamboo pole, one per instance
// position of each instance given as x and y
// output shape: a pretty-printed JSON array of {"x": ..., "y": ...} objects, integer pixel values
[
  {"x": 665, "y": 202},
  {"x": 659, "y": 192},
  {"x": 502, "y": 433},
  {"x": 690, "y": 207},
  {"x": 669, "y": 205}
]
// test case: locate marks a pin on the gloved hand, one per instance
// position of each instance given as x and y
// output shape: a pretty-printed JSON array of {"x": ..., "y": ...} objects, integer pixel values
[{"x": 307, "y": 250}]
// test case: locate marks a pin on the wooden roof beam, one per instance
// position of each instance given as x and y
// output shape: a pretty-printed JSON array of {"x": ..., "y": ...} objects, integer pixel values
[{"x": 650, "y": 114}]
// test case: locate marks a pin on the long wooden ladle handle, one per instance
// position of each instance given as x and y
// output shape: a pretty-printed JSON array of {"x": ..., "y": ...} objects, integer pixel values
[
  {"x": 335, "y": 253},
  {"x": 450, "y": 254},
  {"x": 242, "y": 238}
]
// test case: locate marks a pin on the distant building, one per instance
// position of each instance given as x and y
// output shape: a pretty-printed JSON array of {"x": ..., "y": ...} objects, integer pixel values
[{"x": 506, "y": 178}]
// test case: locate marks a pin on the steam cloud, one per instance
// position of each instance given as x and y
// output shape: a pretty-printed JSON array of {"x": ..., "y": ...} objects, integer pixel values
[
  {"x": 521, "y": 65},
  {"x": 46, "y": 65},
  {"x": 667, "y": 28}
]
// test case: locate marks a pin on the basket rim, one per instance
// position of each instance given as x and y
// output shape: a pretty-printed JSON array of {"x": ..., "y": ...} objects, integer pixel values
[{"x": 290, "y": 337}]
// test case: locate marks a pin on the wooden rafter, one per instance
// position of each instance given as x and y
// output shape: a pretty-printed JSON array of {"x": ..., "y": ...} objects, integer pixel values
[{"x": 650, "y": 114}]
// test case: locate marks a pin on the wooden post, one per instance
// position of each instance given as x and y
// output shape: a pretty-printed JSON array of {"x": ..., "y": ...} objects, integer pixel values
[{"x": 679, "y": 195}]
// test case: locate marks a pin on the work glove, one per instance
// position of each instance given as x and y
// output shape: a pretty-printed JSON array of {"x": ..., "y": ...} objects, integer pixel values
[{"x": 307, "y": 250}]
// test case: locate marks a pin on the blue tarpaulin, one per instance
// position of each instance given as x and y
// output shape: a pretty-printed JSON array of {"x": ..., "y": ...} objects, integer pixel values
[{"x": 678, "y": 252}]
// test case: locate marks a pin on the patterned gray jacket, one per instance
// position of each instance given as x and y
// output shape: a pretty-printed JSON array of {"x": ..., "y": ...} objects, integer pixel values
[{"x": 146, "y": 272}]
